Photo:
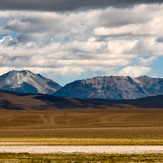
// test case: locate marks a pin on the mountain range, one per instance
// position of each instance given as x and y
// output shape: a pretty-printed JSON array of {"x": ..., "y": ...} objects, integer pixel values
[
  {"x": 113, "y": 87},
  {"x": 107, "y": 87}
]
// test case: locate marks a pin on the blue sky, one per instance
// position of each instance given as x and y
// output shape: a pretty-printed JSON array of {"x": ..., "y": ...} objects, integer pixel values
[
  {"x": 13, "y": 35},
  {"x": 157, "y": 68},
  {"x": 80, "y": 39}
]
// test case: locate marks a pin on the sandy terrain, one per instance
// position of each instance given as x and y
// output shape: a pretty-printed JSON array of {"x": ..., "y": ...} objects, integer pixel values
[{"x": 82, "y": 149}]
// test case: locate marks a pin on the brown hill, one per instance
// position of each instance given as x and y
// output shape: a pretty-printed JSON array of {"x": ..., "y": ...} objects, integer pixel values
[{"x": 19, "y": 101}]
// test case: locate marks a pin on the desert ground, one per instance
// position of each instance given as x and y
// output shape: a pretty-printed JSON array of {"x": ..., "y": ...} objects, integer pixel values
[
  {"x": 106, "y": 127},
  {"x": 112, "y": 123}
]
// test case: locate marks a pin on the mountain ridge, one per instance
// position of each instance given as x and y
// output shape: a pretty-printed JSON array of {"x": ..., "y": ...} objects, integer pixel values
[
  {"x": 27, "y": 82},
  {"x": 112, "y": 87},
  {"x": 100, "y": 87}
]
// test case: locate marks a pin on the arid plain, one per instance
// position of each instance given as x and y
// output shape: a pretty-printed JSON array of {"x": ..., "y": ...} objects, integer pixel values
[{"x": 132, "y": 126}]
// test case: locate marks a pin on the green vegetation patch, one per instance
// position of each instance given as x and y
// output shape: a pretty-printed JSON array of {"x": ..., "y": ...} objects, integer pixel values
[{"x": 77, "y": 158}]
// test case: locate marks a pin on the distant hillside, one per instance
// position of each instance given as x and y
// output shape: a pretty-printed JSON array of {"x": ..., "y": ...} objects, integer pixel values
[
  {"x": 27, "y": 82},
  {"x": 19, "y": 101},
  {"x": 113, "y": 87}
]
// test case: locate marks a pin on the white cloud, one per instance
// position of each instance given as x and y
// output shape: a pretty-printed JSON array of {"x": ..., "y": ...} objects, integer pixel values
[
  {"x": 141, "y": 20},
  {"x": 152, "y": 28},
  {"x": 147, "y": 61},
  {"x": 72, "y": 43},
  {"x": 134, "y": 71},
  {"x": 121, "y": 46}
]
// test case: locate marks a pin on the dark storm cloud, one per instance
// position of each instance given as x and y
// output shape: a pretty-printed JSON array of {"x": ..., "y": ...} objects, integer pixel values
[{"x": 67, "y": 5}]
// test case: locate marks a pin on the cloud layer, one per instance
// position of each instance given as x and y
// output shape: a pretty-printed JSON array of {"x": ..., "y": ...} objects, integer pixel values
[
  {"x": 110, "y": 41},
  {"x": 68, "y": 5}
]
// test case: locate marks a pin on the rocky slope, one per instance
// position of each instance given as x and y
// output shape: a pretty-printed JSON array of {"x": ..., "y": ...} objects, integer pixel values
[
  {"x": 27, "y": 82},
  {"x": 113, "y": 87}
]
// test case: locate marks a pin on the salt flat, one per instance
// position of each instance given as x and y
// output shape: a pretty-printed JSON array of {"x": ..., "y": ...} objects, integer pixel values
[{"x": 82, "y": 149}]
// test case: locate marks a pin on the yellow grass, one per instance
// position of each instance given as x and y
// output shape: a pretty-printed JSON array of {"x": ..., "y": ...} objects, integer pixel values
[
  {"x": 79, "y": 141},
  {"x": 79, "y": 158}
]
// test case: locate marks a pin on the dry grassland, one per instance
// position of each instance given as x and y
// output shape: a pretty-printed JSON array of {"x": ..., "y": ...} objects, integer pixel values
[
  {"x": 79, "y": 158},
  {"x": 79, "y": 141},
  {"x": 108, "y": 126}
]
